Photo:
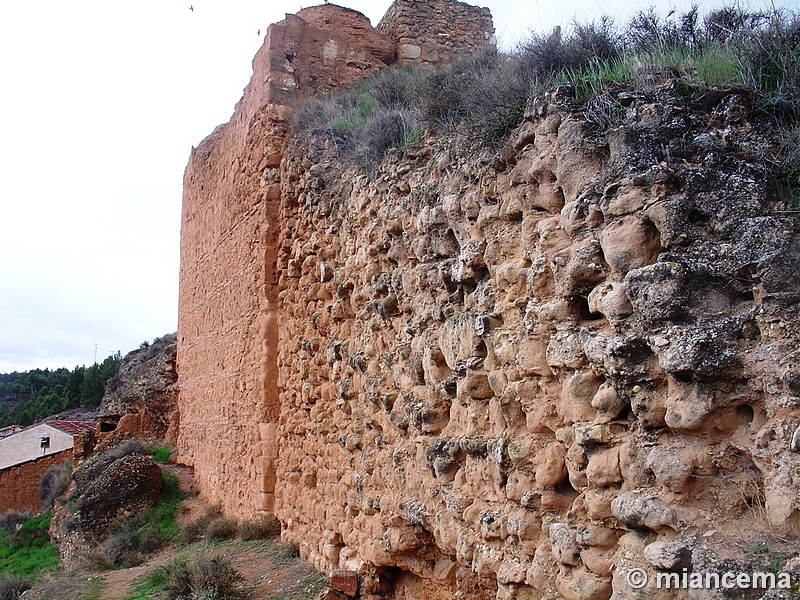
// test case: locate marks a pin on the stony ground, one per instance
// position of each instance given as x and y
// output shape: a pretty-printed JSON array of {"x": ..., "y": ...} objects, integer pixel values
[{"x": 271, "y": 570}]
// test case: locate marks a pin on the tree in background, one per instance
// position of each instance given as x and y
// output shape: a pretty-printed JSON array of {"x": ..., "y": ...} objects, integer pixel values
[{"x": 30, "y": 396}]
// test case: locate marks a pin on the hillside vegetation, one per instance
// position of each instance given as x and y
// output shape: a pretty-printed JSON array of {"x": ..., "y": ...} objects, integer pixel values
[
  {"x": 25, "y": 551},
  {"x": 599, "y": 65},
  {"x": 30, "y": 396}
]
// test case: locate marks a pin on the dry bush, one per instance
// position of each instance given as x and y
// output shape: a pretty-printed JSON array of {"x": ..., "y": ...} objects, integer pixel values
[
  {"x": 150, "y": 540},
  {"x": 205, "y": 576},
  {"x": 196, "y": 529},
  {"x": 12, "y": 587},
  {"x": 53, "y": 484},
  {"x": 259, "y": 530},
  {"x": 221, "y": 528},
  {"x": 12, "y": 519}
]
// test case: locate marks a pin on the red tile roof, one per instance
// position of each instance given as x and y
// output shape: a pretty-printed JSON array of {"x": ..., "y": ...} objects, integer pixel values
[{"x": 72, "y": 427}]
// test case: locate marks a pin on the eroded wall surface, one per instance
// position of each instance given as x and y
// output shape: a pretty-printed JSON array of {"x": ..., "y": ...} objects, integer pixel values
[
  {"x": 514, "y": 373},
  {"x": 523, "y": 373}
]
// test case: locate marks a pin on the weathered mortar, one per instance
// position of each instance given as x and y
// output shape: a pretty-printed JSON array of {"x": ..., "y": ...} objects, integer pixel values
[
  {"x": 513, "y": 375},
  {"x": 512, "y": 372}
]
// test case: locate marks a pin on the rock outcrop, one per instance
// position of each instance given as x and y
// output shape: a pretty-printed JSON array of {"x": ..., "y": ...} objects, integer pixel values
[
  {"x": 127, "y": 486},
  {"x": 106, "y": 491},
  {"x": 511, "y": 374},
  {"x": 141, "y": 400}
]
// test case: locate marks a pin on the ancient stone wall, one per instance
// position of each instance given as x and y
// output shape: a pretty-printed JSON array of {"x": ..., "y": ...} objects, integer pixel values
[
  {"x": 523, "y": 374},
  {"x": 228, "y": 321},
  {"x": 20, "y": 484},
  {"x": 514, "y": 373},
  {"x": 436, "y": 32}
]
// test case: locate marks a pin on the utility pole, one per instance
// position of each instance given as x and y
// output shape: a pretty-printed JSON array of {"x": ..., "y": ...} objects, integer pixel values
[{"x": 95, "y": 353}]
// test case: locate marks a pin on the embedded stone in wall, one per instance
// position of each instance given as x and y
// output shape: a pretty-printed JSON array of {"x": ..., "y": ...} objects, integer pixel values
[{"x": 515, "y": 419}]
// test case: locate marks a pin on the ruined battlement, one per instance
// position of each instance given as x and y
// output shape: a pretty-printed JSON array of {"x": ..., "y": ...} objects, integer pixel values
[{"x": 436, "y": 32}]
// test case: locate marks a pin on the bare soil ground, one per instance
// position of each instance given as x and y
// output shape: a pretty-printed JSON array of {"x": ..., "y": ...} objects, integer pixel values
[{"x": 269, "y": 569}]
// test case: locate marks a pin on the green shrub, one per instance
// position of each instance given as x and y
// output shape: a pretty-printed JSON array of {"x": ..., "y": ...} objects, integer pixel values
[{"x": 160, "y": 454}]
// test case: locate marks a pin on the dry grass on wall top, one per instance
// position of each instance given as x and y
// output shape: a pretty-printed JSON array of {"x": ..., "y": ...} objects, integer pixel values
[{"x": 484, "y": 97}]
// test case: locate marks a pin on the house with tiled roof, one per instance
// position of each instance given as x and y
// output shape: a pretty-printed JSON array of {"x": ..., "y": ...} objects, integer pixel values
[{"x": 26, "y": 455}]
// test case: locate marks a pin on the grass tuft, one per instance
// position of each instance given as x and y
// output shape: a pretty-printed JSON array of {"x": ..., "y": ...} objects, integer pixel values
[
  {"x": 160, "y": 454},
  {"x": 27, "y": 552}
]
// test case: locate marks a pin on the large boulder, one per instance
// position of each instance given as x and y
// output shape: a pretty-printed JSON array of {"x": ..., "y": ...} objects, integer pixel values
[{"x": 129, "y": 485}]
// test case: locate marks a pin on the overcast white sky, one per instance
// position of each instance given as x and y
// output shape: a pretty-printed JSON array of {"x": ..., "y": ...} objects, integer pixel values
[{"x": 101, "y": 101}]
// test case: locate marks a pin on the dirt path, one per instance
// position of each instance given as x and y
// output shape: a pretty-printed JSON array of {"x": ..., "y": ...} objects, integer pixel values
[
  {"x": 118, "y": 585},
  {"x": 270, "y": 570}
]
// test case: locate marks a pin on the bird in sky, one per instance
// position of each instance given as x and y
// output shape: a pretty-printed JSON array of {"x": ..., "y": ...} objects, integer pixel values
[{"x": 191, "y": 7}]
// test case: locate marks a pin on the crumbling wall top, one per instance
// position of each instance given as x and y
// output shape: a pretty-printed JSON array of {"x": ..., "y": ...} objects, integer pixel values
[
  {"x": 319, "y": 49},
  {"x": 436, "y": 32}
]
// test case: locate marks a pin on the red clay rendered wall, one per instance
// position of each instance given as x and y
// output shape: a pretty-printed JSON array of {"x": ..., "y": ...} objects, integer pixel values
[{"x": 19, "y": 486}]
